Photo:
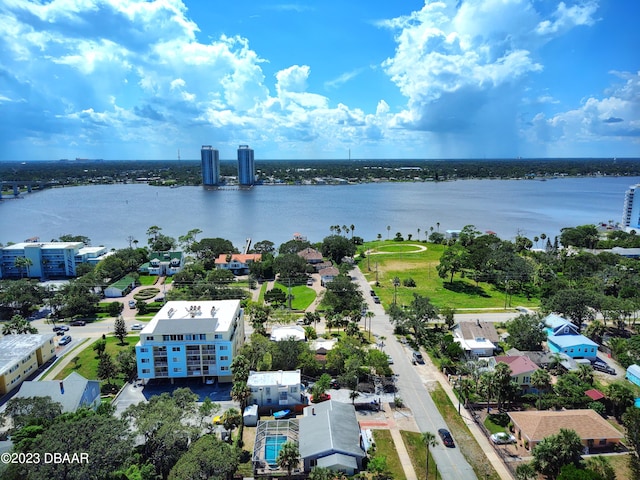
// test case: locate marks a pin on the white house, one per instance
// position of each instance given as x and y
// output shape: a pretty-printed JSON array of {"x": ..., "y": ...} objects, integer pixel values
[
  {"x": 285, "y": 332},
  {"x": 275, "y": 389}
]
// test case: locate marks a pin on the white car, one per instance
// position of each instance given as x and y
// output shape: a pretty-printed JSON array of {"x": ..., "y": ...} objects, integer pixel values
[
  {"x": 502, "y": 438},
  {"x": 136, "y": 326}
]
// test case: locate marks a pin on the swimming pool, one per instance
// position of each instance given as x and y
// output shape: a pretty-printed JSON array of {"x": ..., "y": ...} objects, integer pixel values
[
  {"x": 637, "y": 402},
  {"x": 272, "y": 446}
]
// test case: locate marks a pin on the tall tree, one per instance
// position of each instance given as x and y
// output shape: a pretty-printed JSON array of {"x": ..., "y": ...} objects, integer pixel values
[
  {"x": 107, "y": 369},
  {"x": 631, "y": 422},
  {"x": 541, "y": 381},
  {"x": 452, "y": 261},
  {"x": 120, "y": 329},
  {"x": 429, "y": 440},
  {"x": 207, "y": 458},
  {"x": 526, "y": 332},
  {"x": 18, "y": 326}
]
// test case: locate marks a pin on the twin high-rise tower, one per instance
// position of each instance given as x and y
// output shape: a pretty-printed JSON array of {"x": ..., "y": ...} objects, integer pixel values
[{"x": 210, "y": 159}]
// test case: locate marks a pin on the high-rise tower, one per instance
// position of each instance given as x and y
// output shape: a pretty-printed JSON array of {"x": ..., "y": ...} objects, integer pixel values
[
  {"x": 246, "y": 166},
  {"x": 210, "y": 162},
  {"x": 631, "y": 212}
]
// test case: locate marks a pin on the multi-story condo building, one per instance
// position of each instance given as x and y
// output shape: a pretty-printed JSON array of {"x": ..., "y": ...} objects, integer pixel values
[
  {"x": 21, "y": 356},
  {"x": 46, "y": 259},
  {"x": 631, "y": 212},
  {"x": 191, "y": 340},
  {"x": 210, "y": 162},
  {"x": 246, "y": 166}
]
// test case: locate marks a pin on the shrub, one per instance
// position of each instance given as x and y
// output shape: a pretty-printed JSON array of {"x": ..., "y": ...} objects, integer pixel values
[{"x": 409, "y": 282}]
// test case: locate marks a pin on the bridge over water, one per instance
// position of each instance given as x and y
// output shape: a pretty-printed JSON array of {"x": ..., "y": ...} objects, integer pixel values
[{"x": 16, "y": 185}]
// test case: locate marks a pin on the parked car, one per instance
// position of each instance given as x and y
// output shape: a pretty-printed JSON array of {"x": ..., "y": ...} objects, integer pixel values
[
  {"x": 603, "y": 367},
  {"x": 132, "y": 304},
  {"x": 389, "y": 359},
  {"x": 417, "y": 358},
  {"x": 372, "y": 293},
  {"x": 376, "y": 299},
  {"x": 446, "y": 437},
  {"x": 136, "y": 326},
  {"x": 502, "y": 438},
  {"x": 78, "y": 323},
  {"x": 64, "y": 340},
  {"x": 60, "y": 328}
]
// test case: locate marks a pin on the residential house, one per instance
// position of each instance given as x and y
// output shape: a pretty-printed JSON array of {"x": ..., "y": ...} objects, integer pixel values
[
  {"x": 237, "y": 263},
  {"x": 311, "y": 255},
  {"x": 21, "y": 356},
  {"x": 633, "y": 374},
  {"x": 522, "y": 369},
  {"x": 287, "y": 332},
  {"x": 191, "y": 339},
  {"x": 477, "y": 338},
  {"x": 564, "y": 337},
  {"x": 328, "y": 274},
  {"x": 321, "y": 347},
  {"x": 275, "y": 390},
  {"x": 164, "y": 263},
  {"x": 595, "y": 432},
  {"x": 72, "y": 393},
  {"x": 330, "y": 437}
]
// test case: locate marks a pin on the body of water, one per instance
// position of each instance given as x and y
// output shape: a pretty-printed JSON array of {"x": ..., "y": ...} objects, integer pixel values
[{"x": 108, "y": 214}]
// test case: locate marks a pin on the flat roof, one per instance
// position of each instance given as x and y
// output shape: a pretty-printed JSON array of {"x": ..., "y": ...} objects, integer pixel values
[
  {"x": 281, "y": 377},
  {"x": 14, "y": 348},
  {"x": 203, "y": 316},
  {"x": 23, "y": 245}
]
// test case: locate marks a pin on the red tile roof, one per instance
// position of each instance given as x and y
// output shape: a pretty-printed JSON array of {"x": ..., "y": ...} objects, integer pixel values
[{"x": 594, "y": 394}]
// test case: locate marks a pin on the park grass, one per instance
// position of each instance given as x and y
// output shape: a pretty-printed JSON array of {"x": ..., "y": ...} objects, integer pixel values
[
  {"x": 462, "y": 436},
  {"x": 386, "y": 448},
  {"x": 398, "y": 259},
  {"x": 303, "y": 296},
  {"x": 620, "y": 465},
  {"x": 417, "y": 452},
  {"x": 87, "y": 360}
]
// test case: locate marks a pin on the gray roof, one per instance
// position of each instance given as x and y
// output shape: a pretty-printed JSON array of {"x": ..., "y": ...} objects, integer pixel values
[
  {"x": 75, "y": 386},
  {"x": 330, "y": 427},
  {"x": 478, "y": 329},
  {"x": 338, "y": 461},
  {"x": 14, "y": 348}
]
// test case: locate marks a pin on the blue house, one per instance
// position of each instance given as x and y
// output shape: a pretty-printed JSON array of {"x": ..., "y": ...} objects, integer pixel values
[
  {"x": 563, "y": 337},
  {"x": 633, "y": 374}
]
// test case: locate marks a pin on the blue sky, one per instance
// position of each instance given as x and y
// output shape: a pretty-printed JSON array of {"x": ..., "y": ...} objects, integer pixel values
[{"x": 127, "y": 79}]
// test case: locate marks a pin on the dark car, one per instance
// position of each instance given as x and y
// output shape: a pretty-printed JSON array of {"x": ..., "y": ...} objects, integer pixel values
[
  {"x": 446, "y": 437},
  {"x": 603, "y": 367},
  {"x": 78, "y": 323},
  {"x": 376, "y": 300},
  {"x": 60, "y": 328}
]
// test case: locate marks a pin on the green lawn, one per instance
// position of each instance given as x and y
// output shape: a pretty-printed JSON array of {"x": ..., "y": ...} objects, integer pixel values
[
  {"x": 394, "y": 259},
  {"x": 386, "y": 448},
  {"x": 87, "y": 360},
  {"x": 147, "y": 280},
  {"x": 417, "y": 452},
  {"x": 462, "y": 436},
  {"x": 303, "y": 296}
]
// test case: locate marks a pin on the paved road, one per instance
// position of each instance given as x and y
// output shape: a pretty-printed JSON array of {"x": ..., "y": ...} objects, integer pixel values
[{"x": 451, "y": 463}]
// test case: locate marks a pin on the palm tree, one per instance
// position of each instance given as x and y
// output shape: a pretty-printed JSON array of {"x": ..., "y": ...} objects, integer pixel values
[
  {"x": 241, "y": 392},
  {"x": 396, "y": 284},
  {"x": 541, "y": 380},
  {"x": 23, "y": 263},
  {"x": 585, "y": 373},
  {"x": 353, "y": 394},
  {"x": 438, "y": 226},
  {"x": 429, "y": 440},
  {"x": 525, "y": 471},
  {"x": 388, "y": 231},
  {"x": 288, "y": 457}
]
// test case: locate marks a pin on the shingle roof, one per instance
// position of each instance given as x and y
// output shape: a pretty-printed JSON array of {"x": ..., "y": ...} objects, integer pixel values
[
  {"x": 330, "y": 427},
  {"x": 238, "y": 257},
  {"x": 518, "y": 364},
  {"x": 479, "y": 329},
  {"x": 587, "y": 423},
  {"x": 594, "y": 394}
]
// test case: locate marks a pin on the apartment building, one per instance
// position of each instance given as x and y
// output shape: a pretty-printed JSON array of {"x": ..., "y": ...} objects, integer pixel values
[
  {"x": 21, "y": 356},
  {"x": 191, "y": 339},
  {"x": 46, "y": 259}
]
